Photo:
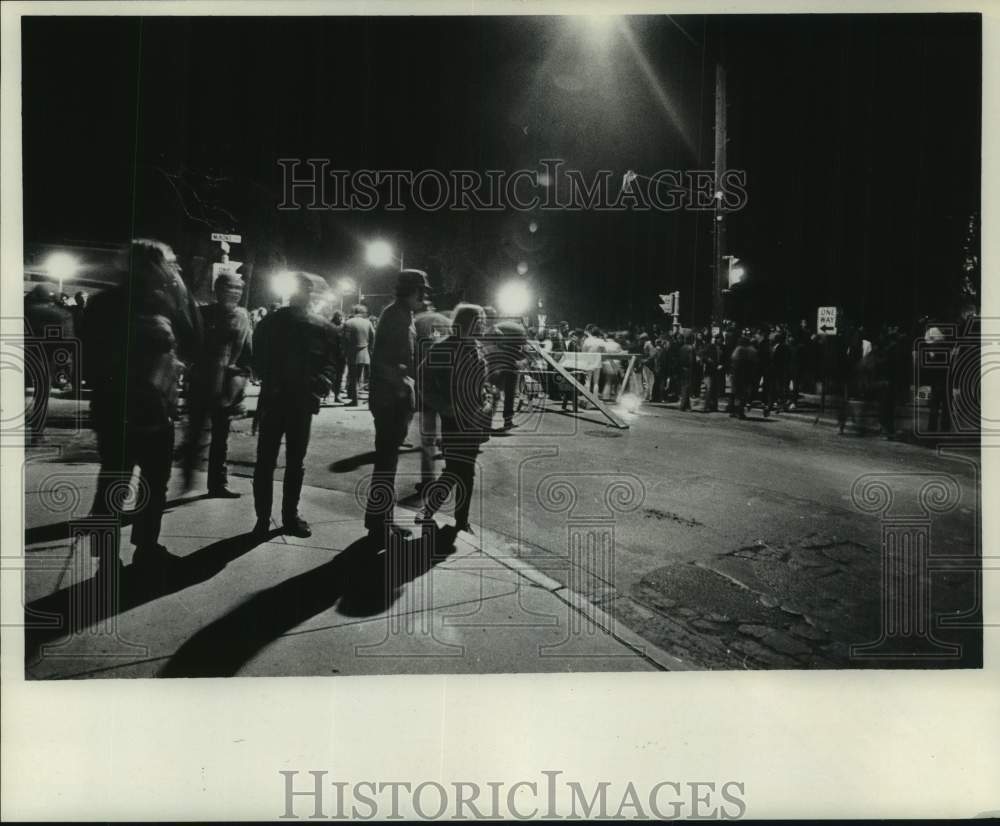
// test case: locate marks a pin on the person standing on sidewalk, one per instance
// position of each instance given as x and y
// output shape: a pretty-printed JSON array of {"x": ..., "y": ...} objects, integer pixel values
[
  {"x": 431, "y": 326},
  {"x": 340, "y": 360},
  {"x": 218, "y": 382},
  {"x": 135, "y": 336},
  {"x": 453, "y": 381},
  {"x": 294, "y": 350},
  {"x": 392, "y": 399},
  {"x": 358, "y": 336}
]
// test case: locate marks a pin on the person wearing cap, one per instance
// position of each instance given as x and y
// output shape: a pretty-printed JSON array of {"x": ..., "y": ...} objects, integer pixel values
[
  {"x": 392, "y": 398},
  {"x": 217, "y": 382},
  {"x": 294, "y": 355}
]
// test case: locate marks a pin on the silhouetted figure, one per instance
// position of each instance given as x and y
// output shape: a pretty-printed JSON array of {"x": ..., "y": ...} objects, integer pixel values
[
  {"x": 392, "y": 399},
  {"x": 340, "y": 357},
  {"x": 430, "y": 326},
  {"x": 745, "y": 374},
  {"x": 293, "y": 355},
  {"x": 217, "y": 382},
  {"x": 453, "y": 380}
]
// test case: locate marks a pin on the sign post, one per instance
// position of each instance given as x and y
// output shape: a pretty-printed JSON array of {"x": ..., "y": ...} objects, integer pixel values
[
  {"x": 671, "y": 305},
  {"x": 225, "y": 265}
]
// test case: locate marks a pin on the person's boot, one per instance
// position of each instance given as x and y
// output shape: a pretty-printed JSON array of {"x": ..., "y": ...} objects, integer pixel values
[
  {"x": 222, "y": 493},
  {"x": 296, "y": 526}
]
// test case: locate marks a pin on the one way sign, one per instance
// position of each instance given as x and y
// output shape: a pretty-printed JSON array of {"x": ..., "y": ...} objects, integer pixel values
[{"x": 826, "y": 321}]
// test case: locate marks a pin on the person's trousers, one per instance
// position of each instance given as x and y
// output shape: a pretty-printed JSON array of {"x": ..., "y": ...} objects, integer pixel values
[
  {"x": 339, "y": 366},
  {"x": 428, "y": 442},
  {"x": 294, "y": 424},
  {"x": 939, "y": 409},
  {"x": 459, "y": 476},
  {"x": 391, "y": 424},
  {"x": 507, "y": 379},
  {"x": 715, "y": 379},
  {"x": 121, "y": 450},
  {"x": 647, "y": 384},
  {"x": 354, "y": 379},
  {"x": 659, "y": 380},
  {"x": 218, "y": 449},
  {"x": 684, "y": 389}
]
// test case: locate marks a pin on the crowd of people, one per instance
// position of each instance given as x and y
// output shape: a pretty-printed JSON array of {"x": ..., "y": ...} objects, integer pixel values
[
  {"x": 769, "y": 367},
  {"x": 145, "y": 339}
]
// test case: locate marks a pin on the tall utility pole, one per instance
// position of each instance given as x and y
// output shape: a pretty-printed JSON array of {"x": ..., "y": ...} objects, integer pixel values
[{"x": 719, "y": 222}]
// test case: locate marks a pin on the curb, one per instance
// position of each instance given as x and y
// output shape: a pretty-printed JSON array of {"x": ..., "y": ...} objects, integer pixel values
[{"x": 615, "y": 629}]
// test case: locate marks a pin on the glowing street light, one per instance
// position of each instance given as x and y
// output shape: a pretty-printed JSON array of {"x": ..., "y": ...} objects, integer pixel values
[
  {"x": 514, "y": 299},
  {"x": 284, "y": 285},
  {"x": 379, "y": 254},
  {"x": 61, "y": 266}
]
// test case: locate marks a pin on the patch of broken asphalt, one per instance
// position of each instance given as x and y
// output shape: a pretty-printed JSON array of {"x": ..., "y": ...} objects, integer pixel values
[{"x": 800, "y": 606}]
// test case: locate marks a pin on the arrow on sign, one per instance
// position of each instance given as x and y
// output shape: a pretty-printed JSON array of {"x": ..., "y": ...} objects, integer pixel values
[{"x": 825, "y": 328}]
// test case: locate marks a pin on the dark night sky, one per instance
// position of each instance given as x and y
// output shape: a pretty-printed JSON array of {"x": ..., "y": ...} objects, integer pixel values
[{"x": 859, "y": 134}]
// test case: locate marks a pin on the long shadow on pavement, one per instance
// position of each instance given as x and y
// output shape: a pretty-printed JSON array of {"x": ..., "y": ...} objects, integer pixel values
[
  {"x": 365, "y": 583},
  {"x": 352, "y": 463},
  {"x": 84, "y": 604},
  {"x": 56, "y": 531}
]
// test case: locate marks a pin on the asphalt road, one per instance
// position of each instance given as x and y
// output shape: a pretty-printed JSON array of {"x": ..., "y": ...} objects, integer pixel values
[{"x": 728, "y": 543}]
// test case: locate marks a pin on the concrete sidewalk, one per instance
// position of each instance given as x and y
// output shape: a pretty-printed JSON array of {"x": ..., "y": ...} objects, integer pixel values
[{"x": 227, "y": 604}]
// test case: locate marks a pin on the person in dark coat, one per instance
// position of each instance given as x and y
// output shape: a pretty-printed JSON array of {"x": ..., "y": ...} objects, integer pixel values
[
  {"x": 293, "y": 355},
  {"x": 506, "y": 339},
  {"x": 711, "y": 367},
  {"x": 781, "y": 364},
  {"x": 685, "y": 370},
  {"x": 392, "y": 400},
  {"x": 452, "y": 379},
  {"x": 763, "y": 382},
  {"x": 137, "y": 338},
  {"x": 340, "y": 356},
  {"x": 745, "y": 374},
  {"x": 217, "y": 382}
]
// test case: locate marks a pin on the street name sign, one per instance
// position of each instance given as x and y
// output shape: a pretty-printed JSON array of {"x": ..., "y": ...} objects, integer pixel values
[{"x": 229, "y": 239}]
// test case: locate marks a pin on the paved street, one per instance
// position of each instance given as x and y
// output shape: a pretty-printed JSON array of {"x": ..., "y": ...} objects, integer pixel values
[{"x": 714, "y": 543}]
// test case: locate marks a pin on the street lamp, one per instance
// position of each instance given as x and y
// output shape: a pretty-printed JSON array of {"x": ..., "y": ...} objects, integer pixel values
[
  {"x": 514, "y": 299},
  {"x": 61, "y": 266},
  {"x": 379, "y": 254},
  {"x": 284, "y": 285}
]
